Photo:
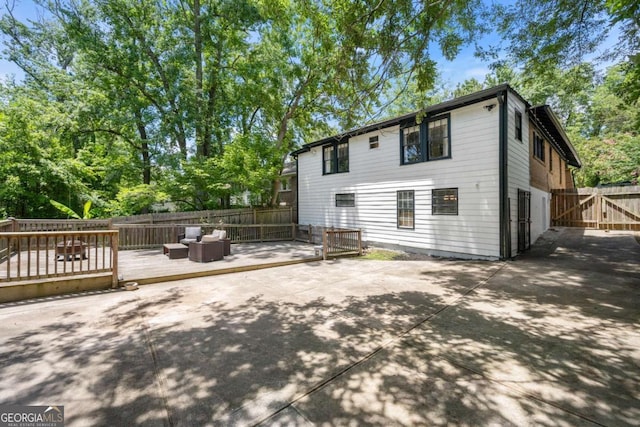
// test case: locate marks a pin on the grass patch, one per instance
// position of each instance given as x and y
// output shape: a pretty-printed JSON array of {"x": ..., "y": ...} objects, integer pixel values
[{"x": 382, "y": 255}]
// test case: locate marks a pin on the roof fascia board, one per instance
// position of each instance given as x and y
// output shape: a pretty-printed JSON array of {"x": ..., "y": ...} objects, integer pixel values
[
  {"x": 433, "y": 110},
  {"x": 564, "y": 144}
]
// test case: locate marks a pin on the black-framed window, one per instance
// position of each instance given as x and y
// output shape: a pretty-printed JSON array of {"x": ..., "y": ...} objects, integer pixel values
[
  {"x": 406, "y": 209},
  {"x": 427, "y": 141},
  {"x": 444, "y": 201},
  {"x": 518, "y": 125},
  {"x": 438, "y": 138},
  {"x": 335, "y": 158},
  {"x": 411, "y": 145},
  {"x": 345, "y": 200},
  {"x": 538, "y": 146},
  {"x": 373, "y": 142}
]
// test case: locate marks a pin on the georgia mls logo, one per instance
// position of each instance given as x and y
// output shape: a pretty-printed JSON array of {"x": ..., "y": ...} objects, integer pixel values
[{"x": 31, "y": 416}]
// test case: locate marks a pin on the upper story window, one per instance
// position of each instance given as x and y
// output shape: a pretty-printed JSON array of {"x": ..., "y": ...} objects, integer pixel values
[
  {"x": 538, "y": 146},
  {"x": 518, "y": 125},
  {"x": 438, "y": 138},
  {"x": 373, "y": 142},
  {"x": 411, "y": 145},
  {"x": 427, "y": 141},
  {"x": 550, "y": 158},
  {"x": 335, "y": 158}
]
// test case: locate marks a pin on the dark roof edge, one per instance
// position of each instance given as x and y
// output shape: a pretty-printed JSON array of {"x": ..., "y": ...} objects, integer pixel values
[
  {"x": 452, "y": 104},
  {"x": 556, "y": 135}
]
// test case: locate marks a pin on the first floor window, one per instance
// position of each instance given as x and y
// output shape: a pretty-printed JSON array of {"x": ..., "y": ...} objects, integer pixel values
[
  {"x": 406, "y": 211},
  {"x": 345, "y": 200},
  {"x": 444, "y": 201}
]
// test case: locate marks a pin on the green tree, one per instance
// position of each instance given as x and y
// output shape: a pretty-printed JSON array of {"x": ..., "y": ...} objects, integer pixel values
[
  {"x": 544, "y": 35},
  {"x": 154, "y": 93}
]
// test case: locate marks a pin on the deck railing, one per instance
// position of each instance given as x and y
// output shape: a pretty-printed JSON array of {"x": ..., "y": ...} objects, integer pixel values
[
  {"x": 337, "y": 242},
  {"x": 43, "y": 255},
  {"x": 141, "y": 236},
  {"x": 6, "y": 226},
  {"x": 33, "y": 225},
  {"x": 260, "y": 232}
]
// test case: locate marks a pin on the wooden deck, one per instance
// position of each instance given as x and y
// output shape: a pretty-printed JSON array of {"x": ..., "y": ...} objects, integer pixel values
[{"x": 151, "y": 266}]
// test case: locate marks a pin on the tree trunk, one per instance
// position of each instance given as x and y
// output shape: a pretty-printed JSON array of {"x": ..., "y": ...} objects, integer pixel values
[{"x": 144, "y": 149}]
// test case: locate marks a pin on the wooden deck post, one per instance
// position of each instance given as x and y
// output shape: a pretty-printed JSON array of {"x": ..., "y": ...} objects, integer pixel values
[
  {"x": 325, "y": 247},
  {"x": 114, "y": 252}
]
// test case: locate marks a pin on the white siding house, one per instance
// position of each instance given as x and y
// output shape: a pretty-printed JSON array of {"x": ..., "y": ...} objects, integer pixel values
[{"x": 443, "y": 181}]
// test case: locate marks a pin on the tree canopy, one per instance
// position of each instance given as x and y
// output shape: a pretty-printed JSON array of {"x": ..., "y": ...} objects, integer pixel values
[{"x": 132, "y": 104}]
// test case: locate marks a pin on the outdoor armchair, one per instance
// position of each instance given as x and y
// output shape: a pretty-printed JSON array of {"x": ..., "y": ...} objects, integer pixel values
[
  {"x": 206, "y": 251},
  {"x": 219, "y": 235},
  {"x": 191, "y": 234}
]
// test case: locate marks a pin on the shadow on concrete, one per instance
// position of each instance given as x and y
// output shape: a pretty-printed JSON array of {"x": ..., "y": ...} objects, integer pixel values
[{"x": 541, "y": 343}]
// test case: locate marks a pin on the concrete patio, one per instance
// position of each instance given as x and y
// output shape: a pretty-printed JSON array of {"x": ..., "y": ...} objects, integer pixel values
[{"x": 552, "y": 338}]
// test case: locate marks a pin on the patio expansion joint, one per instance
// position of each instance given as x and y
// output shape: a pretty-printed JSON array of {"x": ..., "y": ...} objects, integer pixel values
[
  {"x": 388, "y": 343},
  {"x": 518, "y": 390},
  {"x": 160, "y": 380}
]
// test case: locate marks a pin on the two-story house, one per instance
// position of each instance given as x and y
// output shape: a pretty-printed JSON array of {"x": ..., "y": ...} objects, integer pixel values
[{"x": 467, "y": 178}]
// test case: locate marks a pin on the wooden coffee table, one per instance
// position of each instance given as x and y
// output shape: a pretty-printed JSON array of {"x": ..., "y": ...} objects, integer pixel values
[
  {"x": 175, "y": 250},
  {"x": 71, "y": 249}
]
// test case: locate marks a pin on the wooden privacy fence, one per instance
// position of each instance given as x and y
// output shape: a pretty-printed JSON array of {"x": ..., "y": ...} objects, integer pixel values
[
  {"x": 226, "y": 216},
  {"x": 606, "y": 208},
  {"x": 43, "y": 255}
]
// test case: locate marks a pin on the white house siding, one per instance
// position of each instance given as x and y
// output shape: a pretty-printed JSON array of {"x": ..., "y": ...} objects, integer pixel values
[
  {"x": 375, "y": 175},
  {"x": 540, "y": 209},
  {"x": 517, "y": 164}
]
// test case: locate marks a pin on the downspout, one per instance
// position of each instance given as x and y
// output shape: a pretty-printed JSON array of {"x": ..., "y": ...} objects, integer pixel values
[
  {"x": 503, "y": 154},
  {"x": 297, "y": 192}
]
